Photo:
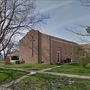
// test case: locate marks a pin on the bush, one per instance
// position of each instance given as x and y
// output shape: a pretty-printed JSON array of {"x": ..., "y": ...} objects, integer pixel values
[{"x": 83, "y": 58}]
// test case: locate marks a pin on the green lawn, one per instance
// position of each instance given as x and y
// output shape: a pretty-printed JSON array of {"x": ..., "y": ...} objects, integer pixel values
[
  {"x": 9, "y": 75},
  {"x": 72, "y": 69},
  {"x": 49, "y": 82},
  {"x": 28, "y": 66}
]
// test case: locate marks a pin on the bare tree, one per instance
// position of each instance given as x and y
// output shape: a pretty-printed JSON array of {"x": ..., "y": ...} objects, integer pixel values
[
  {"x": 85, "y": 3},
  {"x": 8, "y": 49},
  {"x": 15, "y": 16},
  {"x": 81, "y": 30}
]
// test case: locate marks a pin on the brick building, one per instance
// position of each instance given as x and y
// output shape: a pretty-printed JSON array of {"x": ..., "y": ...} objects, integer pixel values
[{"x": 37, "y": 47}]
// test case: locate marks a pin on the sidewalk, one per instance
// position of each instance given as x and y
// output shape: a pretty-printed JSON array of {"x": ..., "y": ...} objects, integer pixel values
[
  {"x": 67, "y": 75},
  {"x": 48, "y": 69},
  {"x": 3, "y": 88},
  {"x": 18, "y": 69},
  {"x": 41, "y": 72},
  {"x": 17, "y": 80},
  {"x": 21, "y": 78}
]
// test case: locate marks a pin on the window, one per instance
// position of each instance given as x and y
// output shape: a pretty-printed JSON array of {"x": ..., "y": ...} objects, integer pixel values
[
  {"x": 15, "y": 58},
  {"x": 58, "y": 56}
]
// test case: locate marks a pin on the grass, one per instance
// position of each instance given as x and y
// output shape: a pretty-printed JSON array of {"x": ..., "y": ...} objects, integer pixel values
[
  {"x": 1, "y": 61},
  {"x": 9, "y": 75},
  {"x": 72, "y": 69},
  {"x": 50, "y": 82},
  {"x": 28, "y": 66}
]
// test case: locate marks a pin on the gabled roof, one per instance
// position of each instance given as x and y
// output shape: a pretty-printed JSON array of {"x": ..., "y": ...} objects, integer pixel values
[
  {"x": 63, "y": 40},
  {"x": 50, "y": 36}
]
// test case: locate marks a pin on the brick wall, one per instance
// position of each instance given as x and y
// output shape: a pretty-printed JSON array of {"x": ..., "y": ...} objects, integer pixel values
[
  {"x": 45, "y": 48},
  {"x": 26, "y": 47},
  {"x": 66, "y": 49}
]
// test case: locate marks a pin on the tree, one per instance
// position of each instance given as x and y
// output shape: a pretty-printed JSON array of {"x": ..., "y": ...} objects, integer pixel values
[
  {"x": 83, "y": 58},
  {"x": 82, "y": 31},
  {"x": 85, "y": 3},
  {"x": 76, "y": 29},
  {"x": 15, "y": 16},
  {"x": 11, "y": 45}
]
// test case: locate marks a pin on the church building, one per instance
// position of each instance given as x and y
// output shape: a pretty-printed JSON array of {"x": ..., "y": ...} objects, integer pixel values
[{"x": 37, "y": 47}]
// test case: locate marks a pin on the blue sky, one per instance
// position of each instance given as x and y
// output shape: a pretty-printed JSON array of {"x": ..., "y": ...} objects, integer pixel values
[{"x": 63, "y": 14}]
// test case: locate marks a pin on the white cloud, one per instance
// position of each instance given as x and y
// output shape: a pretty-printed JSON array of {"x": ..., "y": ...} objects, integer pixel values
[
  {"x": 73, "y": 21},
  {"x": 54, "y": 6}
]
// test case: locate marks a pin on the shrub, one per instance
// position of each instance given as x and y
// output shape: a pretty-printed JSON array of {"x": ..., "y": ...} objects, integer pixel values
[{"x": 83, "y": 58}]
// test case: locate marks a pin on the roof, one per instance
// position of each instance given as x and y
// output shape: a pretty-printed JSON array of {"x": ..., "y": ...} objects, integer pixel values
[
  {"x": 51, "y": 37},
  {"x": 60, "y": 39}
]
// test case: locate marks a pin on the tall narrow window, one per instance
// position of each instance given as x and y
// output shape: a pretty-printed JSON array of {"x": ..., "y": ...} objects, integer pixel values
[{"x": 58, "y": 56}]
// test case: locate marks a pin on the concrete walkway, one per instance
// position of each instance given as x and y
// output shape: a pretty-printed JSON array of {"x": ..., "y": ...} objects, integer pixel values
[
  {"x": 66, "y": 75},
  {"x": 41, "y": 72},
  {"x": 48, "y": 69},
  {"x": 62, "y": 74},
  {"x": 18, "y": 69},
  {"x": 17, "y": 80},
  {"x": 3, "y": 88},
  {"x": 21, "y": 78},
  {"x": 25, "y": 70}
]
